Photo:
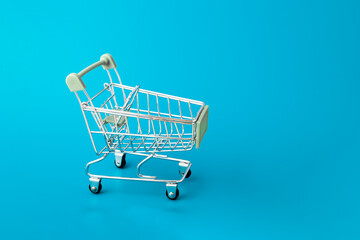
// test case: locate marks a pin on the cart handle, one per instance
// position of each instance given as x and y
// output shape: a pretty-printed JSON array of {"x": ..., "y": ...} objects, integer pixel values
[{"x": 74, "y": 81}]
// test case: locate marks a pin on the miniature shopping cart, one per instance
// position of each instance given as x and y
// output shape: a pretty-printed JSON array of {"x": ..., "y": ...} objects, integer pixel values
[{"x": 132, "y": 120}]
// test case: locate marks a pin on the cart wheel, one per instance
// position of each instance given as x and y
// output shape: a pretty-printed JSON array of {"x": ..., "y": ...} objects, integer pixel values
[
  {"x": 187, "y": 175},
  {"x": 123, "y": 162},
  {"x": 173, "y": 195},
  {"x": 95, "y": 190}
]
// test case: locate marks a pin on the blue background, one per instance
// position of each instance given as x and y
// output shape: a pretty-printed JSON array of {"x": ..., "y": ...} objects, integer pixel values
[{"x": 280, "y": 159}]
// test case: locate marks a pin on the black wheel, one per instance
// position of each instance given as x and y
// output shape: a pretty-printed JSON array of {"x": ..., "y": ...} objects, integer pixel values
[
  {"x": 174, "y": 197},
  {"x": 123, "y": 162},
  {"x": 97, "y": 190},
  {"x": 188, "y": 174}
]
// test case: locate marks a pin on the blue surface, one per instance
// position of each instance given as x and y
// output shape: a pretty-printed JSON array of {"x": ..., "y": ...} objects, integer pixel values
[{"x": 280, "y": 159}]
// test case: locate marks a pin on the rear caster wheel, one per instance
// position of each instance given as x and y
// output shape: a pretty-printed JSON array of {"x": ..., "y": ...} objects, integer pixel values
[
  {"x": 173, "y": 195},
  {"x": 121, "y": 163},
  {"x": 187, "y": 175},
  {"x": 95, "y": 189}
]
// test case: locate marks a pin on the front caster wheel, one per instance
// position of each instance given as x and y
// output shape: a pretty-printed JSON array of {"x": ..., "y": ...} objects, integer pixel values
[
  {"x": 94, "y": 189},
  {"x": 172, "y": 195},
  {"x": 121, "y": 163}
]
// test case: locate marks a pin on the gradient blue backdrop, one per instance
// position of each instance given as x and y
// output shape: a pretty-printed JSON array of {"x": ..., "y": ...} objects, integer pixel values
[{"x": 280, "y": 159}]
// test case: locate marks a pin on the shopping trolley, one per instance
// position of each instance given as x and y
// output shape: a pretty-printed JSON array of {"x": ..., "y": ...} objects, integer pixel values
[{"x": 135, "y": 121}]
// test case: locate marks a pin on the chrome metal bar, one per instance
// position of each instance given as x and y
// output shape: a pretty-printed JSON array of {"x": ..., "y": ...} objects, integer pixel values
[
  {"x": 137, "y": 179},
  {"x": 161, "y": 94},
  {"x": 139, "y": 166}
]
